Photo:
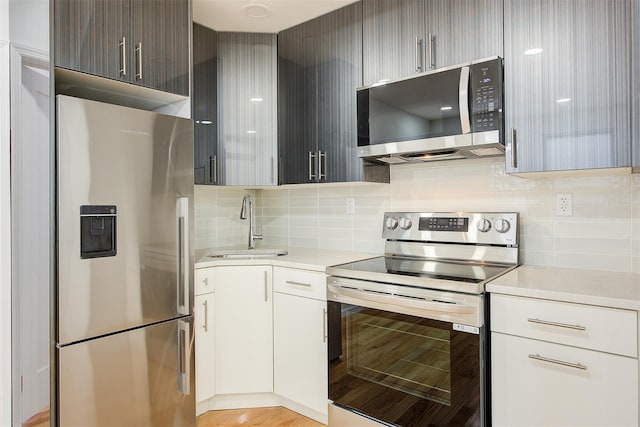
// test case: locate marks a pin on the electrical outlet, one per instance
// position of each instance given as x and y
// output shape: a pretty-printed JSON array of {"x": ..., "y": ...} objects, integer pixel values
[
  {"x": 351, "y": 205},
  {"x": 564, "y": 204}
]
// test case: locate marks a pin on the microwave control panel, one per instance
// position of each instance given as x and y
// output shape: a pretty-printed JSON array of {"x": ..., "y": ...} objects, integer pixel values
[{"x": 486, "y": 92}]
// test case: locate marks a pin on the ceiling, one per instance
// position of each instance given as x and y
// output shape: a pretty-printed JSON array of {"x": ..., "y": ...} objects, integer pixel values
[{"x": 260, "y": 16}]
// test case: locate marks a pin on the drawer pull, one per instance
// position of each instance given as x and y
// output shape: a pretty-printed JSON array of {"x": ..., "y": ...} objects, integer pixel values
[
  {"x": 291, "y": 282},
  {"x": 560, "y": 325},
  {"x": 558, "y": 362}
]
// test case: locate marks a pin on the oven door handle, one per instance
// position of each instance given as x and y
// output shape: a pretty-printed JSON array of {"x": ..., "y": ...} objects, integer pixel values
[{"x": 400, "y": 301}]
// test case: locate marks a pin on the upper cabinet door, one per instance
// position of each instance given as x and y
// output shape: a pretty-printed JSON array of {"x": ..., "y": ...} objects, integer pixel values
[
  {"x": 92, "y": 36},
  {"x": 567, "y": 98},
  {"x": 247, "y": 132},
  {"x": 462, "y": 30},
  {"x": 339, "y": 74},
  {"x": 204, "y": 101},
  {"x": 160, "y": 31},
  {"x": 297, "y": 107},
  {"x": 393, "y": 39}
]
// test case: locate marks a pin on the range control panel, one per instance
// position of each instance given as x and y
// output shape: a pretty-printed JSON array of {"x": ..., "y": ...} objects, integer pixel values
[{"x": 492, "y": 228}]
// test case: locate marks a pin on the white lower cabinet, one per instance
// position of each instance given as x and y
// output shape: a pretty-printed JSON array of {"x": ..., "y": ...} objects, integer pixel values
[
  {"x": 205, "y": 347},
  {"x": 243, "y": 329},
  {"x": 300, "y": 341},
  {"x": 545, "y": 371}
]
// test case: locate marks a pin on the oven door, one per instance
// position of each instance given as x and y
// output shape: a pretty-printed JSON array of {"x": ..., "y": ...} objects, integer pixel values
[{"x": 404, "y": 369}]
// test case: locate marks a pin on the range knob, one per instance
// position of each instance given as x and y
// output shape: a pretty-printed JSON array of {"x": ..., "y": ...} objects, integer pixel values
[
  {"x": 391, "y": 223},
  {"x": 502, "y": 226},
  {"x": 484, "y": 225},
  {"x": 405, "y": 223}
]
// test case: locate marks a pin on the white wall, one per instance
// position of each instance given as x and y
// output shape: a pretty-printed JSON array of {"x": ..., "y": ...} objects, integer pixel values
[
  {"x": 603, "y": 233},
  {"x": 30, "y": 23},
  {"x": 5, "y": 227}
]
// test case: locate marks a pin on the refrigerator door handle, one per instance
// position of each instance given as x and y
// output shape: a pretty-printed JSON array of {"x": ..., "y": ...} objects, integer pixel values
[
  {"x": 182, "y": 210},
  {"x": 184, "y": 364}
]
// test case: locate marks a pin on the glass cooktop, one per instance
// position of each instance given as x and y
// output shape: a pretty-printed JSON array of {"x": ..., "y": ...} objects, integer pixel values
[{"x": 420, "y": 272}]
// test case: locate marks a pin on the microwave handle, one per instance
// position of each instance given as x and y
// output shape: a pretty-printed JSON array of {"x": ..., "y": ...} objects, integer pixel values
[{"x": 463, "y": 95}]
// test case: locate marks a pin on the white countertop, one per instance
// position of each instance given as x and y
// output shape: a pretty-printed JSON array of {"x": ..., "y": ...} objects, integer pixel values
[
  {"x": 603, "y": 288},
  {"x": 302, "y": 258}
]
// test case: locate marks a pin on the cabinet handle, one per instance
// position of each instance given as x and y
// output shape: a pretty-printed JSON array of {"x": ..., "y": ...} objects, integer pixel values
[
  {"x": 558, "y": 362},
  {"x": 561, "y": 325},
  {"x": 324, "y": 325},
  {"x": 266, "y": 286},
  {"x": 273, "y": 169},
  {"x": 432, "y": 56},
  {"x": 206, "y": 281},
  {"x": 292, "y": 282},
  {"x": 213, "y": 169},
  {"x": 123, "y": 56},
  {"x": 418, "y": 54},
  {"x": 206, "y": 316},
  {"x": 514, "y": 153},
  {"x": 312, "y": 175},
  {"x": 139, "y": 61},
  {"x": 322, "y": 158}
]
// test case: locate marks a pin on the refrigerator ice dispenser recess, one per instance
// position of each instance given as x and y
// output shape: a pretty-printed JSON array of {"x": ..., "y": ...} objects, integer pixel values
[{"x": 97, "y": 231}]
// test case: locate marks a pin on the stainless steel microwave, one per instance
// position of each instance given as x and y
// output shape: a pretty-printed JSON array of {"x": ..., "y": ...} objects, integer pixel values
[{"x": 445, "y": 114}]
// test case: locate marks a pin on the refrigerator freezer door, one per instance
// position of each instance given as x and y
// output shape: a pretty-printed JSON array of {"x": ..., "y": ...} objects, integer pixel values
[
  {"x": 142, "y": 377},
  {"x": 138, "y": 165}
]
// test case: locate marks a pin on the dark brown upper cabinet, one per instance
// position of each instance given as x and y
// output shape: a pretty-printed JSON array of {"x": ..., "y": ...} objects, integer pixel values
[{"x": 143, "y": 42}]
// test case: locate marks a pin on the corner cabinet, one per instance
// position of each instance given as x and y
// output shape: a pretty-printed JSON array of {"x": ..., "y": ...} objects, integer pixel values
[
  {"x": 243, "y": 325},
  {"x": 143, "y": 42},
  {"x": 567, "y": 77},
  {"x": 402, "y": 38},
  {"x": 319, "y": 69},
  {"x": 204, "y": 110},
  {"x": 247, "y": 102}
]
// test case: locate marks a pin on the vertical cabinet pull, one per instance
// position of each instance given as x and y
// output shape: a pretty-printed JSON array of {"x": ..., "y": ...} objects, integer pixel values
[
  {"x": 123, "y": 56},
  {"x": 213, "y": 169},
  {"x": 514, "y": 152},
  {"x": 418, "y": 54},
  {"x": 206, "y": 316},
  {"x": 432, "y": 56},
  {"x": 139, "y": 61},
  {"x": 206, "y": 281},
  {"x": 324, "y": 325},
  {"x": 322, "y": 165},
  {"x": 312, "y": 166},
  {"x": 266, "y": 287}
]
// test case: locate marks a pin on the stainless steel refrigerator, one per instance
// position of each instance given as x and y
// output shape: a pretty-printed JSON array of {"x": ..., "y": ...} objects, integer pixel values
[{"x": 124, "y": 332}]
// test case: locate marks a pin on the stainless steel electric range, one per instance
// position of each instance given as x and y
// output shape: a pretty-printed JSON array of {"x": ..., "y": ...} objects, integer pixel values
[{"x": 407, "y": 341}]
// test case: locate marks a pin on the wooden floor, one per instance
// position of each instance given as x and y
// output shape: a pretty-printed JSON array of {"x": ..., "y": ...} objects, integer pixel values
[{"x": 276, "y": 417}]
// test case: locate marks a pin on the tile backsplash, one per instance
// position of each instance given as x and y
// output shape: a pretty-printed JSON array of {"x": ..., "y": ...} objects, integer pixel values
[{"x": 603, "y": 233}]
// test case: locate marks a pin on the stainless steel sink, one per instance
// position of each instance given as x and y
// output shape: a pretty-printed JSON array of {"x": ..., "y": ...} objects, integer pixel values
[{"x": 247, "y": 253}]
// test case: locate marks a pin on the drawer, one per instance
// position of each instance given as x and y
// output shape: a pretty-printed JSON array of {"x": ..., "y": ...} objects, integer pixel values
[
  {"x": 537, "y": 383},
  {"x": 304, "y": 283},
  {"x": 598, "y": 328},
  {"x": 203, "y": 281}
]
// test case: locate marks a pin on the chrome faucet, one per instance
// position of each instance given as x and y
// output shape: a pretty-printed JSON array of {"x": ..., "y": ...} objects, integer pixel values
[{"x": 243, "y": 215}]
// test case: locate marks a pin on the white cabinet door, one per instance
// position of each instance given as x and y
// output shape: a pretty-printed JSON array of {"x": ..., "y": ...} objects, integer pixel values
[
  {"x": 300, "y": 351},
  {"x": 243, "y": 329},
  {"x": 205, "y": 347},
  {"x": 532, "y": 387}
]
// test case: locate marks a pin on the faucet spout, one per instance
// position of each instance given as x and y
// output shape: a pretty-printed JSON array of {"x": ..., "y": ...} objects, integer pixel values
[{"x": 247, "y": 200}]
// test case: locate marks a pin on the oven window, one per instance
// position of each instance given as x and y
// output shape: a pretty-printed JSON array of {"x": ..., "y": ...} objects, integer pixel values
[
  {"x": 404, "y": 370},
  {"x": 395, "y": 352}
]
